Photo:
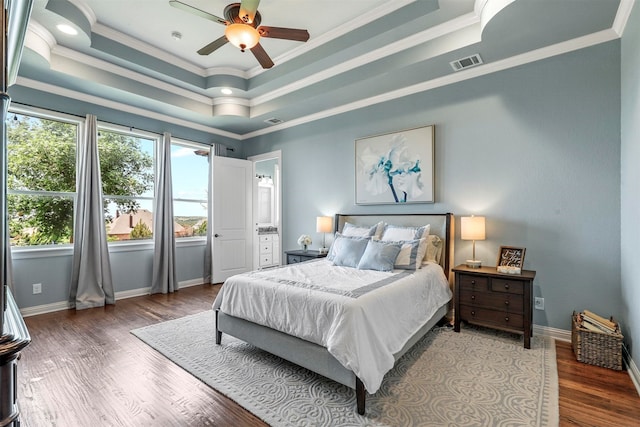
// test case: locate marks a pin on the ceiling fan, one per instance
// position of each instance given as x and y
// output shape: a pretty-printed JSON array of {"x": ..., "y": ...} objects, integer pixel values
[{"x": 243, "y": 31}]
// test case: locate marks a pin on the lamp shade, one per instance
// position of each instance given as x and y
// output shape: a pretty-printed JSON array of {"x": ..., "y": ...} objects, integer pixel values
[
  {"x": 324, "y": 224},
  {"x": 472, "y": 228},
  {"x": 242, "y": 36}
]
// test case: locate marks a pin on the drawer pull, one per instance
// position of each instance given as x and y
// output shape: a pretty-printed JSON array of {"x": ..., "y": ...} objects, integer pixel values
[
  {"x": 506, "y": 318},
  {"x": 506, "y": 302},
  {"x": 473, "y": 313},
  {"x": 473, "y": 297},
  {"x": 473, "y": 282},
  {"x": 506, "y": 286}
]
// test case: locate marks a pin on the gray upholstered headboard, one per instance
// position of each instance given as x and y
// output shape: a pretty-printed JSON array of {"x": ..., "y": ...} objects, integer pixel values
[{"x": 442, "y": 225}]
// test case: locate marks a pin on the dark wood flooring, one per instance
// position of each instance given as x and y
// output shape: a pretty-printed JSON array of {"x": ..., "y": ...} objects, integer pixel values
[{"x": 84, "y": 369}]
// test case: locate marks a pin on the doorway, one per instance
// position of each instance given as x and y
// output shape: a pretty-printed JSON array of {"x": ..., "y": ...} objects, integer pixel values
[{"x": 267, "y": 209}]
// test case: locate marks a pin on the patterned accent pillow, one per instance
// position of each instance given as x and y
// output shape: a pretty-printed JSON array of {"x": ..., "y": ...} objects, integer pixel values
[{"x": 411, "y": 254}]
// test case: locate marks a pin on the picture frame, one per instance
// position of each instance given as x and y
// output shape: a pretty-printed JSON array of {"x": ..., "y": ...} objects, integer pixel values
[
  {"x": 510, "y": 257},
  {"x": 395, "y": 168}
]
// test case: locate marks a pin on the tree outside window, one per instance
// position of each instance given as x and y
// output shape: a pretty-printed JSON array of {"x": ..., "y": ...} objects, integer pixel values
[{"x": 41, "y": 177}]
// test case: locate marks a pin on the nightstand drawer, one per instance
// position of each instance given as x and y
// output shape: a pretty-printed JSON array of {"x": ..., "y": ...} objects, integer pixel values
[
  {"x": 497, "y": 301},
  {"x": 492, "y": 317},
  {"x": 292, "y": 259},
  {"x": 473, "y": 282},
  {"x": 506, "y": 285}
]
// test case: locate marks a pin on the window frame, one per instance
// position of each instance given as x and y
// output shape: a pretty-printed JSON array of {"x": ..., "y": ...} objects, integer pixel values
[
  {"x": 195, "y": 146},
  {"x": 40, "y": 113},
  {"x": 135, "y": 133}
]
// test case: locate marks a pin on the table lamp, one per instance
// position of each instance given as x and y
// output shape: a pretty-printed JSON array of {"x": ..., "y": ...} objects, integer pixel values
[
  {"x": 324, "y": 224},
  {"x": 472, "y": 228}
]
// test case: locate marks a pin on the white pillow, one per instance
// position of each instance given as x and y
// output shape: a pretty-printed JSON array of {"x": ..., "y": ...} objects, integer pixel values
[
  {"x": 394, "y": 233},
  {"x": 352, "y": 230}
]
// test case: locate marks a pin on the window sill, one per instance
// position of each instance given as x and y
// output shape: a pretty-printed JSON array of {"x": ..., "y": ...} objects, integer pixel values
[{"x": 48, "y": 251}]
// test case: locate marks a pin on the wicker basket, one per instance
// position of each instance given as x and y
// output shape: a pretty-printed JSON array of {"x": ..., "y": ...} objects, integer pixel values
[{"x": 596, "y": 348}]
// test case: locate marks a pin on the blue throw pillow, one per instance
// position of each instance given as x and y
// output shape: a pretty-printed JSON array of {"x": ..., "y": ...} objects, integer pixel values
[
  {"x": 349, "y": 251},
  {"x": 379, "y": 256},
  {"x": 339, "y": 240}
]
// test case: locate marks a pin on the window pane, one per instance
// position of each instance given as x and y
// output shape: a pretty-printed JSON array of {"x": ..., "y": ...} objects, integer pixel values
[
  {"x": 190, "y": 175},
  {"x": 190, "y": 219},
  {"x": 126, "y": 165},
  {"x": 129, "y": 225},
  {"x": 41, "y": 154},
  {"x": 189, "y": 172},
  {"x": 39, "y": 220},
  {"x": 41, "y": 158}
]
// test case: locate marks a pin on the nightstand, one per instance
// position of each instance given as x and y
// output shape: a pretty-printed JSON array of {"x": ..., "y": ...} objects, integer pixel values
[
  {"x": 496, "y": 300},
  {"x": 299, "y": 255}
]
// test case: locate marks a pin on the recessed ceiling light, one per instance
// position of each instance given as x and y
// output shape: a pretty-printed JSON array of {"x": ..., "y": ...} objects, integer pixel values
[
  {"x": 176, "y": 35},
  {"x": 67, "y": 29},
  {"x": 226, "y": 91}
]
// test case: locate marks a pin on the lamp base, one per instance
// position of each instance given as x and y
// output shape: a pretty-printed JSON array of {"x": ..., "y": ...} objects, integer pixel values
[
  {"x": 322, "y": 251},
  {"x": 474, "y": 263}
]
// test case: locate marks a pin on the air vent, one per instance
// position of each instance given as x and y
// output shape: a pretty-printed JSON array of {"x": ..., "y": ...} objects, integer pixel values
[
  {"x": 273, "y": 121},
  {"x": 468, "y": 62}
]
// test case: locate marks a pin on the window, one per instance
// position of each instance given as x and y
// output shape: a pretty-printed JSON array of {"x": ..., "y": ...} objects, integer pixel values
[
  {"x": 41, "y": 179},
  {"x": 127, "y": 174},
  {"x": 190, "y": 177}
]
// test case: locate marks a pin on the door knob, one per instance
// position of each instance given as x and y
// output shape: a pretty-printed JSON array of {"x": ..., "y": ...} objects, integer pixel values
[{"x": 217, "y": 235}]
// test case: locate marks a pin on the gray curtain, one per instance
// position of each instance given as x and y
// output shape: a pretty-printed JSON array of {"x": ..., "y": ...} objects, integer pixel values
[
  {"x": 207, "y": 274},
  {"x": 164, "y": 255},
  {"x": 91, "y": 283}
]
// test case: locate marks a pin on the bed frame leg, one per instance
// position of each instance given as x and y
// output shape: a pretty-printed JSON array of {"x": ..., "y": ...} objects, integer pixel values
[
  {"x": 360, "y": 396},
  {"x": 218, "y": 333}
]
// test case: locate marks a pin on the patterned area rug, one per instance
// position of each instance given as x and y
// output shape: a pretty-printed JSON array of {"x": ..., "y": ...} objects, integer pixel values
[{"x": 477, "y": 377}]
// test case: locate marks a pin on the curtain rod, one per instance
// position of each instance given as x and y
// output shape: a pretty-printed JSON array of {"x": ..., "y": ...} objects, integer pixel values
[{"x": 119, "y": 124}]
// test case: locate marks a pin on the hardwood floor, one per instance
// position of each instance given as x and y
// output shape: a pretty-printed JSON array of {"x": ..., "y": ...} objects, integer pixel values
[{"x": 85, "y": 369}]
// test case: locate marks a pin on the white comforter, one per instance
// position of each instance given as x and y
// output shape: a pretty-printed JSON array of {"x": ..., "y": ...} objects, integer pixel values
[{"x": 362, "y": 317}]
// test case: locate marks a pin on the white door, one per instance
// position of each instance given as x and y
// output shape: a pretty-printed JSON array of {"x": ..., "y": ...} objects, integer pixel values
[{"x": 232, "y": 217}]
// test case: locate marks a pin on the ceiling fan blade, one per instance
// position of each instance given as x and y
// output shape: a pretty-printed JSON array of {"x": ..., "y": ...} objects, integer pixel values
[
  {"x": 213, "y": 46},
  {"x": 248, "y": 9},
  {"x": 284, "y": 33},
  {"x": 262, "y": 56},
  {"x": 195, "y": 11}
]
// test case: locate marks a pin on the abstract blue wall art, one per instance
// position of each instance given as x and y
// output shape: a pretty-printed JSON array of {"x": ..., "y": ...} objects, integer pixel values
[{"x": 396, "y": 168}]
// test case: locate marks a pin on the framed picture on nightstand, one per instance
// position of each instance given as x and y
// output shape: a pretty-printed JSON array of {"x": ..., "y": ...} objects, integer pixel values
[{"x": 510, "y": 259}]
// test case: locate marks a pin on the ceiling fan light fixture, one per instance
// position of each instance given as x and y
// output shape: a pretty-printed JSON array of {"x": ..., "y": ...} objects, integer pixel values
[{"x": 242, "y": 36}]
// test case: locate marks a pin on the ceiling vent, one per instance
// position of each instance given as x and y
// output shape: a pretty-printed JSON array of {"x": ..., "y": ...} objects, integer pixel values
[
  {"x": 274, "y": 121},
  {"x": 468, "y": 62}
]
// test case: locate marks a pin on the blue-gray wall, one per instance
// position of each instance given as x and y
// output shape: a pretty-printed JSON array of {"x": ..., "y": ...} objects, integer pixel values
[
  {"x": 630, "y": 177},
  {"x": 536, "y": 149}
]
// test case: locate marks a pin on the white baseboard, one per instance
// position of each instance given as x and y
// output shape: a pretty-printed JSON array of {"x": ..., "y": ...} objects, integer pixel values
[
  {"x": 563, "y": 335},
  {"x": 65, "y": 305}
]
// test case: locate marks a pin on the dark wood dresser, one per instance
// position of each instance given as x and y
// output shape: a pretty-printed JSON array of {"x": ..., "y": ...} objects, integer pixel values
[{"x": 485, "y": 297}]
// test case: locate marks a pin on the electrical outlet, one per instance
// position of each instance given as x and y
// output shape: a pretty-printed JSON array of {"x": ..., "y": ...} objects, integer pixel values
[
  {"x": 539, "y": 303},
  {"x": 37, "y": 288}
]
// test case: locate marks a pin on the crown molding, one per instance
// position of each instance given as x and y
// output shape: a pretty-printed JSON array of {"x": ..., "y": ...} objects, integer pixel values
[
  {"x": 422, "y": 37},
  {"x": 141, "y": 46},
  {"x": 80, "y": 96},
  {"x": 126, "y": 73},
  {"x": 622, "y": 16},
  {"x": 471, "y": 73}
]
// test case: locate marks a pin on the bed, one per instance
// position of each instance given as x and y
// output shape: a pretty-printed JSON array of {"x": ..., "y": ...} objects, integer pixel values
[{"x": 338, "y": 321}]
